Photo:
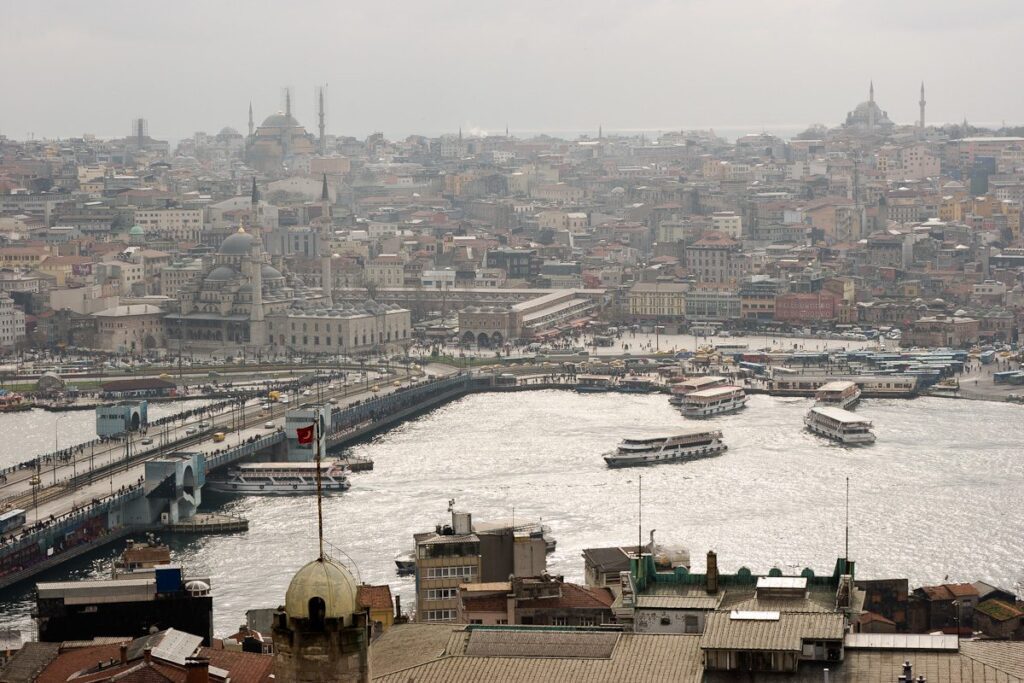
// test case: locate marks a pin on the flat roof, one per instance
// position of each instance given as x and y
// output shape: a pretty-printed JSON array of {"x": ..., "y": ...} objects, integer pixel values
[
  {"x": 839, "y": 415},
  {"x": 901, "y": 641},
  {"x": 782, "y": 582},
  {"x": 713, "y": 391},
  {"x": 841, "y": 385}
]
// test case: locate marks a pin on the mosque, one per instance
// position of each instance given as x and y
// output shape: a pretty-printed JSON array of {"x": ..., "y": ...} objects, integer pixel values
[
  {"x": 868, "y": 117},
  {"x": 278, "y": 141},
  {"x": 229, "y": 302}
]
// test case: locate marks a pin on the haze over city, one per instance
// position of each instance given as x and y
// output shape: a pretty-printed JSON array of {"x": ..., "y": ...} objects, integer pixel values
[{"x": 560, "y": 67}]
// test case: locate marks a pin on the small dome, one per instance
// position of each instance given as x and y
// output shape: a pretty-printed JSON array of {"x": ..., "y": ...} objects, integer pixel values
[
  {"x": 236, "y": 245},
  {"x": 325, "y": 579},
  {"x": 270, "y": 273},
  {"x": 222, "y": 274},
  {"x": 137, "y": 230}
]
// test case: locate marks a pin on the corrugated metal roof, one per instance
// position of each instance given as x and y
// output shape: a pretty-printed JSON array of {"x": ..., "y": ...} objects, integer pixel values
[
  {"x": 696, "y": 602},
  {"x": 722, "y": 632},
  {"x": 781, "y": 582},
  {"x": 530, "y": 643}
]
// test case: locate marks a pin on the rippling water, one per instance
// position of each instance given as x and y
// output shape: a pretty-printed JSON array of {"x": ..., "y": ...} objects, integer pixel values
[{"x": 938, "y": 494}]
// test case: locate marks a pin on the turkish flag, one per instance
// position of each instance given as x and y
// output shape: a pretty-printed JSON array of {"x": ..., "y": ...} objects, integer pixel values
[{"x": 305, "y": 434}]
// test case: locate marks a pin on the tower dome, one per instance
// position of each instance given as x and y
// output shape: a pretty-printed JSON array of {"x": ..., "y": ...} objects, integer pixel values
[
  {"x": 236, "y": 245},
  {"x": 326, "y": 580}
]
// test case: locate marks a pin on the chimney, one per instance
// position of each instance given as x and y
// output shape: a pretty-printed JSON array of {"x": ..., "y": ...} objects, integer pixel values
[
  {"x": 908, "y": 673},
  {"x": 197, "y": 670},
  {"x": 124, "y": 653},
  {"x": 398, "y": 607},
  {"x": 826, "y": 679},
  {"x": 148, "y": 652},
  {"x": 711, "y": 583}
]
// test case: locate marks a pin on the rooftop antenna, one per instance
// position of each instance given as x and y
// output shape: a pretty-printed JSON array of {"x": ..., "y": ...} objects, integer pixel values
[
  {"x": 847, "y": 552},
  {"x": 640, "y": 517}
]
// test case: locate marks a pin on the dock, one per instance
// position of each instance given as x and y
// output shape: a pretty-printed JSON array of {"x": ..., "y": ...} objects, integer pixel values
[{"x": 209, "y": 523}]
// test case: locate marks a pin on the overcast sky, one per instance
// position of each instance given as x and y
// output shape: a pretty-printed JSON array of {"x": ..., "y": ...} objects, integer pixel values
[{"x": 405, "y": 66}]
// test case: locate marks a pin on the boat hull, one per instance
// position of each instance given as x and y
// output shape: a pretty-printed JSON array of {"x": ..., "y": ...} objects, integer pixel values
[
  {"x": 268, "y": 489},
  {"x": 682, "y": 455},
  {"x": 712, "y": 411},
  {"x": 847, "y": 439}
]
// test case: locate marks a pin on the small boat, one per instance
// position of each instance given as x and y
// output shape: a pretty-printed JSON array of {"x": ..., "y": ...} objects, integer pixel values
[
  {"x": 690, "y": 446},
  {"x": 715, "y": 401},
  {"x": 839, "y": 394},
  {"x": 839, "y": 425},
  {"x": 280, "y": 478},
  {"x": 405, "y": 564}
]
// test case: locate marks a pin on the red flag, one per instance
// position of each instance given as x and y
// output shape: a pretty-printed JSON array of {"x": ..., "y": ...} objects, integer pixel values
[{"x": 305, "y": 434}]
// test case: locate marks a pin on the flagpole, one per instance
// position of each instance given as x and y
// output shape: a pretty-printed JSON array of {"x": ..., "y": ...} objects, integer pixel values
[{"x": 319, "y": 496}]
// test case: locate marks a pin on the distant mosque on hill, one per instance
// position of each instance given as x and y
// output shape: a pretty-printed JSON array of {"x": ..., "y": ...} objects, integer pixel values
[
  {"x": 868, "y": 116},
  {"x": 280, "y": 140}
]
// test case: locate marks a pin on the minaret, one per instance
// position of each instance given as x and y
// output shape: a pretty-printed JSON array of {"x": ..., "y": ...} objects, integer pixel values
[
  {"x": 323, "y": 127},
  {"x": 287, "y": 102},
  {"x": 325, "y": 203},
  {"x": 256, "y": 218},
  {"x": 921, "y": 104},
  {"x": 460, "y": 133},
  {"x": 600, "y": 132},
  {"x": 257, "y": 324},
  {"x": 871, "y": 109},
  {"x": 252, "y": 126}
]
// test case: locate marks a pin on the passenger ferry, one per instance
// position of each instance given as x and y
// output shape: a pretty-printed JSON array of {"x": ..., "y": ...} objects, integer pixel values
[
  {"x": 716, "y": 401},
  {"x": 691, "y": 446},
  {"x": 681, "y": 389},
  {"x": 594, "y": 383},
  {"x": 280, "y": 478},
  {"x": 839, "y": 425},
  {"x": 841, "y": 394}
]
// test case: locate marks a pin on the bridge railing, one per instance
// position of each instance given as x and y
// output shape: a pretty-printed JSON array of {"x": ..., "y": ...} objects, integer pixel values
[
  {"x": 248, "y": 448},
  {"x": 373, "y": 408},
  {"x": 52, "y": 530}
]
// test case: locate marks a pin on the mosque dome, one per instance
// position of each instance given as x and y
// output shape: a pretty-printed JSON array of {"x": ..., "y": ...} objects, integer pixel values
[
  {"x": 268, "y": 272},
  {"x": 222, "y": 274},
  {"x": 238, "y": 244},
  {"x": 280, "y": 120},
  {"x": 327, "y": 580},
  {"x": 137, "y": 230}
]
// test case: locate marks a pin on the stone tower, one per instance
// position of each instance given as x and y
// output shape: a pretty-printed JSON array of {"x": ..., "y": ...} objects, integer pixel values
[
  {"x": 321, "y": 634},
  {"x": 252, "y": 124}
]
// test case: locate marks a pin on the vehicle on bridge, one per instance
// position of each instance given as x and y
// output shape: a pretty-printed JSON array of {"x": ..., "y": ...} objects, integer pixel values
[{"x": 11, "y": 520}]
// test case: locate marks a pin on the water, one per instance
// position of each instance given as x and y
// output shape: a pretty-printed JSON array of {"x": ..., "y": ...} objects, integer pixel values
[
  {"x": 33, "y": 430},
  {"x": 937, "y": 495}
]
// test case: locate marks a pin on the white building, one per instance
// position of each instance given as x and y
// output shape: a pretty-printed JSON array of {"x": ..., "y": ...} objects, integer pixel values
[
  {"x": 12, "y": 322},
  {"x": 728, "y": 223},
  {"x": 175, "y": 224}
]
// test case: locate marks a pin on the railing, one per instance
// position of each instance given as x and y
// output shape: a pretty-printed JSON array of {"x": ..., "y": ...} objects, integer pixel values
[{"x": 238, "y": 452}]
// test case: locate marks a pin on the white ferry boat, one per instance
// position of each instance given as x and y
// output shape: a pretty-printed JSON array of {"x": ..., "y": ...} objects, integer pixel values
[
  {"x": 280, "y": 478},
  {"x": 715, "y": 401},
  {"x": 839, "y": 425},
  {"x": 840, "y": 394},
  {"x": 681, "y": 389},
  {"x": 691, "y": 446}
]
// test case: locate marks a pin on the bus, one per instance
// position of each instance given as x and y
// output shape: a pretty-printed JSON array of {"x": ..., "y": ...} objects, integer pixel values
[{"x": 11, "y": 520}]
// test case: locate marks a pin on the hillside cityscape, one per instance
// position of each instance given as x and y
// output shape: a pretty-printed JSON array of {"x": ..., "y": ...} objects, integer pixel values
[{"x": 282, "y": 403}]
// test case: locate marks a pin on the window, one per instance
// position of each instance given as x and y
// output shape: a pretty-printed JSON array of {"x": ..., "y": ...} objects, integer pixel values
[
  {"x": 442, "y": 593},
  {"x": 559, "y": 621},
  {"x": 466, "y": 572}
]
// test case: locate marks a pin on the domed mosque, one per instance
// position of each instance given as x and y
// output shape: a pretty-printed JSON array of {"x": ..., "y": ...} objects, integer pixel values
[
  {"x": 868, "y": 116},
  {"x": 277, "y": 141},
  {"x": 228, "y": 303}
]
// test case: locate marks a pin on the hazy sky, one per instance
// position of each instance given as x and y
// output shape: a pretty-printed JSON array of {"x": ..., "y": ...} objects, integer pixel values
[{"x": 407, "y": 66}]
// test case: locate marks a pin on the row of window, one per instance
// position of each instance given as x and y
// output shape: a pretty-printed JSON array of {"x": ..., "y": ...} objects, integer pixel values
[
  {"x": 442, "y": 593},
  {"x": 441, "y": 615},
  {"x": 355, "y": 340},
  {"x": 464, "y": 572}
]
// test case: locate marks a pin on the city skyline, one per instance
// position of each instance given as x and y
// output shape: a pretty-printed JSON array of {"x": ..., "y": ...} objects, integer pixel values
[{"x": 644, "y": 67}]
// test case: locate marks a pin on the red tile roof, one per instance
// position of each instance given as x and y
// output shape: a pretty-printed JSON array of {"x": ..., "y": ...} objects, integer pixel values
[{"x": 375, "y": 597}]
